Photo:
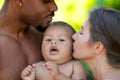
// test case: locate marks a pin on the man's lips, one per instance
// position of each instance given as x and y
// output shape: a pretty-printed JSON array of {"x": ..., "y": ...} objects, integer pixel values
[{"x": 49, "y": 18}]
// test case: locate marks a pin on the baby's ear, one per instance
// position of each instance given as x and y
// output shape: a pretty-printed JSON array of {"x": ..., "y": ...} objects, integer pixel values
[{"x": 99, "y": 47}]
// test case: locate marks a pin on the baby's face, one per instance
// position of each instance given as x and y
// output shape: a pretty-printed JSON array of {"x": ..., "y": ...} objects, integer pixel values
[{"x": 57, "y": 44}]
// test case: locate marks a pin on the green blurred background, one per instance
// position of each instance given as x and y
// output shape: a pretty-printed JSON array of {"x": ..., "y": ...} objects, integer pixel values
[{"x": 75, "y": 12}]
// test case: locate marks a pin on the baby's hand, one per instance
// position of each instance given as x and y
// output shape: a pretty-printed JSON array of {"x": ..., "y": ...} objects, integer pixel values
[
  {"x": 52, "y": 68},
  {"x": 28, "y": 73}
]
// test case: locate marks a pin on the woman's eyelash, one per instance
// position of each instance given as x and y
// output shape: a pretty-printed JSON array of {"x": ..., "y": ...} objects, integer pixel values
[{"x": 81, "y": 33}]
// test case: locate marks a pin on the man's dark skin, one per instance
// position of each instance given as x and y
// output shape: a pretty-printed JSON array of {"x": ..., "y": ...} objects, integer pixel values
[{"x": 20, "y": 43}]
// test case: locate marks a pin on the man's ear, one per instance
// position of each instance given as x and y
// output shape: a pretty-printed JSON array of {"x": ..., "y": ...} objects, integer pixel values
[
  {"x": 19, "y": 3},
  {"x": 98, "y": 48}
]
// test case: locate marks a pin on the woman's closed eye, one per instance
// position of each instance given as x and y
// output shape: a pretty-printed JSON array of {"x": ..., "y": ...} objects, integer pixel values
[{"x": 81, "y": 33}]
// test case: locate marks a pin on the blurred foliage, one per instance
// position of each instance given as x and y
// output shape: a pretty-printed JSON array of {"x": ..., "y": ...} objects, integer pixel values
[
  {"x": 75, "y": 12},
  {"x": 107, "y": 3}
]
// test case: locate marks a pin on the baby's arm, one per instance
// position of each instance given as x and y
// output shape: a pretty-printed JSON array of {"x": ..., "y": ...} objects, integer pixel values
[
  {"x": 28, "y": 73},
  {"x": 78, "y": 71}
]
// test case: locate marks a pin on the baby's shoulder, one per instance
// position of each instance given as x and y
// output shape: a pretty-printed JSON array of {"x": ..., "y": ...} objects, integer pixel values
[
  {"x": 77, "y": 64},
  {"x": 74, "y": 61}
]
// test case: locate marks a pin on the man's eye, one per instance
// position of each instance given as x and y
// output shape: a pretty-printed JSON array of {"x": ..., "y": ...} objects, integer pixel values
[
  {"x": 46, "y": 1},
  {"x": 48, "y": 40},
  {"x": 61, "y": 40}
]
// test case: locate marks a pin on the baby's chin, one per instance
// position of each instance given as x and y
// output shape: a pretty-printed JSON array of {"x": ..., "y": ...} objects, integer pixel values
[{"x": 58, "y": 62}]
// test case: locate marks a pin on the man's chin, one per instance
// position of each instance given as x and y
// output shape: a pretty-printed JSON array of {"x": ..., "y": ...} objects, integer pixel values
[{"x": 41, "y": 28}]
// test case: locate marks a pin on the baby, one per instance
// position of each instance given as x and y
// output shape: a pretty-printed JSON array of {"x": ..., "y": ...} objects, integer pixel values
[{"x": 57, "y": 52}]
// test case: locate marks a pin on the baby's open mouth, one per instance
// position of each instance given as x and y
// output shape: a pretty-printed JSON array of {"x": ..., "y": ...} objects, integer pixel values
[{"x": 54, "y": 51}]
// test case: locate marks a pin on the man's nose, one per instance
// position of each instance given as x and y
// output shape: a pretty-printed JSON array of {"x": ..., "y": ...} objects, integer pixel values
[{"x": 53, "y": 7}]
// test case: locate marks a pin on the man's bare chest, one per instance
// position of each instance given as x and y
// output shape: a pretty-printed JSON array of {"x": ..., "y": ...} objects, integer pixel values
[{"x": 32, "y": 50}]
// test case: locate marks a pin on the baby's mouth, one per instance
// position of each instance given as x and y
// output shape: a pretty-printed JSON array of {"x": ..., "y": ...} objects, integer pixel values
[{"x": 54, "y": 51}]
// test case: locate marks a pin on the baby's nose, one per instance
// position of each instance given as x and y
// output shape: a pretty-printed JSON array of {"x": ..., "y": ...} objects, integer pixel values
[{"x": 53, "y": 42}]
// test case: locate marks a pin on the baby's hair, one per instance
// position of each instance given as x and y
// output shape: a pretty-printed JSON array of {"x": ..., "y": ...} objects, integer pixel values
[{"x": 61, "y": 23}]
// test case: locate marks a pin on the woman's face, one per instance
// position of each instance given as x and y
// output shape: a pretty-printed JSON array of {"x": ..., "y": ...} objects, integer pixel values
[{"x": 82, "y": 46}]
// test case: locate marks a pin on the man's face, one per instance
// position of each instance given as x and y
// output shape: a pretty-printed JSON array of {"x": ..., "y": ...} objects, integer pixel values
[{"x": 38, "y": 12}]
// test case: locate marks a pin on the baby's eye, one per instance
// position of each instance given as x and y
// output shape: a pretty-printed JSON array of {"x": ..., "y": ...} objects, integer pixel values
[
  {"x": 48, "y": 40},
  {"x": 61, "y": 40}
]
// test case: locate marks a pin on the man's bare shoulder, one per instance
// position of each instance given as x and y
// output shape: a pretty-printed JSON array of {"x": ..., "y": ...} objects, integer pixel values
[
  {"x": 10, "y": 57},
  {"x": 7, "y": 40},
  {"x": 10, "y": 49}
]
